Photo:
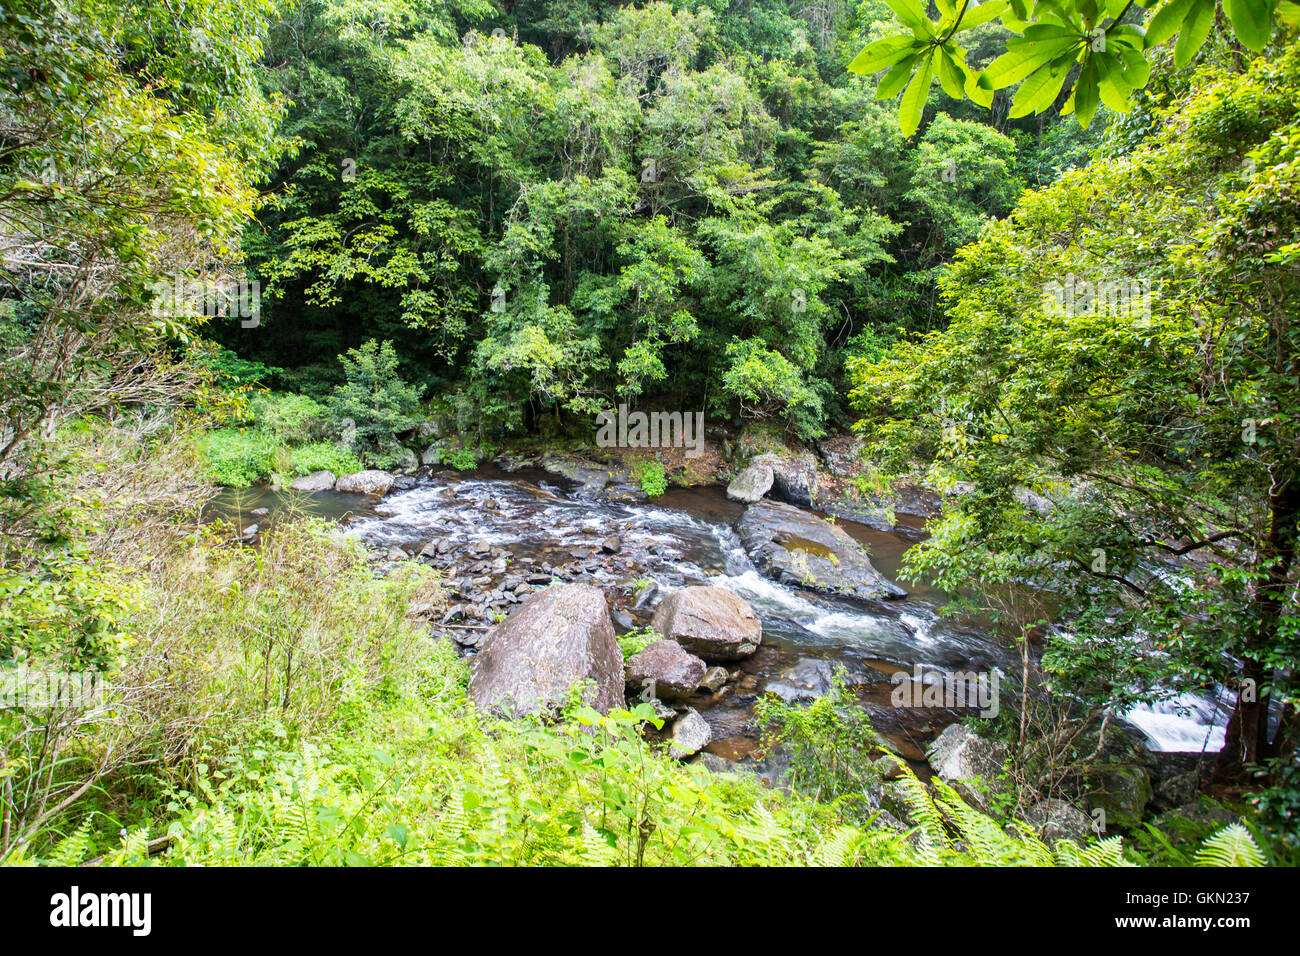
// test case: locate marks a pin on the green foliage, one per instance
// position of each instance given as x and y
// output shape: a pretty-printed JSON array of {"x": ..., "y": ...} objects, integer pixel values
[
  {"x": 324, "y": 456},
  {"x": 1231, "y": 846},
  {"x": 1097, "y": 455},
  {"x": 637, "y": 640},
  {"x": 462, "y": 458},
  {"x": 374, "y": 404},
  {"x": 1048, "y": 39},
  {"x": 289, "y": 419},
  {"x": 594, "y": 211},
  {"x": 652, "y": 478},
  {"x": 831, "y": 745},
  {"x": 239, "y": 457}
]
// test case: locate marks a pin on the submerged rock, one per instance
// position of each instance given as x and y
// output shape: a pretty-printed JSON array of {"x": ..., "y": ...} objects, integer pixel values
[
  {"x": 751, "y": 484},
  {"x": 316, "y": 481},
  {"x": 807, "y": 680},
  {"x": 801, "y": 550},
  {"x": 368, "y": 482},
  {"x": 669, "y": 668},
  {"x": 713, "y": 623},
  {"x": 555, "y": 639},
  {"x": 715, "y": 678}
]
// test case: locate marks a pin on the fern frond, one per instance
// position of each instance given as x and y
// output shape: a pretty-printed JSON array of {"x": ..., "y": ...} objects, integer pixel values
[{"x": 1231, "y": 846}]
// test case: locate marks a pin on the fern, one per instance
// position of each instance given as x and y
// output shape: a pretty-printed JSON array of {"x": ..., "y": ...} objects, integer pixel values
[
  {"x": 72, "y": 850},
  {"x": 1231, "y": 846}
]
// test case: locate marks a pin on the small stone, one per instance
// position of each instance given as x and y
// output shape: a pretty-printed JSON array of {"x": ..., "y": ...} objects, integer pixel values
[{"x": 690, "y": 735}]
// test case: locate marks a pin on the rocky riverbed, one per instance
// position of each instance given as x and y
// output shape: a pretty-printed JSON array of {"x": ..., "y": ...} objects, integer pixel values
[{"x": 823, "y": 593}]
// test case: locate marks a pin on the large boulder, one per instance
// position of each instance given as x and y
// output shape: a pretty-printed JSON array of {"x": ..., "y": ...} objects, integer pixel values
[
  {"x": 368, "y": 482},
  {"x": 672, "y": 671},
  {"x": 316, "y": 481},
  {"x": 713, "y": 623},
  {"x": 793, "y": 479},
  {"x": 801, "y": 550},
  {"x": 968, "y": 763},
  {"x": 1120, "y": 792},
  {"x": 751, "y": 484},
  {"x": 529, "y": 662},
  {"x": 591, "y": 478}
]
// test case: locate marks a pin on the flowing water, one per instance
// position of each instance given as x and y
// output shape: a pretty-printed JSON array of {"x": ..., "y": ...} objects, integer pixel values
[{"x": 686, "y": 537}]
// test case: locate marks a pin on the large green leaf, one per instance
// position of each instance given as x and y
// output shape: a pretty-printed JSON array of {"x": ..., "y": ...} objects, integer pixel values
[
  {"x": 1025, "y": 58},
  {"x": 975, "y": 16},
  {"x": 1085, "y": 94},
  {"x": 1252, "y": 21},
  {"x": 895, "y": 78},
  {"x": 1195, "y": 29},
  {"x": 1166, "y": 21},
  {"x": 913, "y": 102},
  {"x": 951, "y": 76},
  {"x": 1041, "y": 88},
  {"x": 882, "y": 53},
  {"x": 912, "y": 14}
]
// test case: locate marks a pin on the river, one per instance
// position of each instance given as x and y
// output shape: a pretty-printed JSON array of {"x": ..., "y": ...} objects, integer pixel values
[{"x": 686, "y": 537}]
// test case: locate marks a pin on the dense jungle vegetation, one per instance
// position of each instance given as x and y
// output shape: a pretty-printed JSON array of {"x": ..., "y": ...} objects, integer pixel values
[{"x": 803, "y": 219}]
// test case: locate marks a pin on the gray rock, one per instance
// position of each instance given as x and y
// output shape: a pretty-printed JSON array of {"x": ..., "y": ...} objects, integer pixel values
[
  {"x": 669, "y": 668},
  {"x": 715, "y": 678},
  {"x": 751, "y": 484},
  {"x": 690, "y": 735},
  {"x": 807, "y": 680},
  {"x": 612, "y": 545},
  {"x": 591, "y": 478},
  {"x": 316, "y": 481},
  {"x": 433, "y": 454},
  {"x": 968, "y": 762},
  {"x": 1120, "y": 792},
  {"x": 793, "y": 479},
  {"x": 1054, "y": 820},
  {"x": 408, "y": 463},
  {"x": 556, "y": 638},
  {"x": 368, "y": 482},
  {"x": 890, "y": 767},
  {"x": 803, "y": 551},
  {"x": 710, "y": 622}
]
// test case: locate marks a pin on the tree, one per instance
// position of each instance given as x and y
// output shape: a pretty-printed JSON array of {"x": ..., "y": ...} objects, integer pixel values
[
  {"x": 1118, "y": 386},
  {"x": 1102, "y": 38}
]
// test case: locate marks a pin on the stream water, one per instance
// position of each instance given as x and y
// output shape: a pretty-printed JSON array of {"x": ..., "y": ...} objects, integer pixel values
[{"x": 686, "y": 537}]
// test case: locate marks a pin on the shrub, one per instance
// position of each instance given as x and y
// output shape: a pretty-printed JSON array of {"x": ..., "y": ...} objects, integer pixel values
[
  {"x": 238, "y": 457},
  {"x": 374, "y": 401},
  {"x": 637, "y": 640},
  {"x": 832, "y": 746},
  {"x": 324, "y": 456},
  {"x": 654, "y": 481},
  {"x": 462, "y": 459},
  {"x": 290, "y": 419}
]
